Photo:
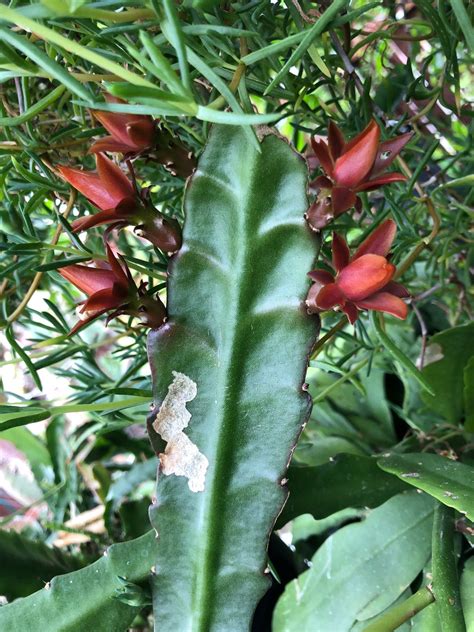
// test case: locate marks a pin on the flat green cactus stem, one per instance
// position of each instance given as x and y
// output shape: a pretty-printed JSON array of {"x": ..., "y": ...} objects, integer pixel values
[
  {"x": 239, "y": 332},
  {"x": 87, "y": 599}
]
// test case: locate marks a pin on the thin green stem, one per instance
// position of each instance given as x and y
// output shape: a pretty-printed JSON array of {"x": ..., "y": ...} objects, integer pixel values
[
  {"x": 445, "y": 573},
  {"x": 327, "y": 336},
  {"x": 36, "y": 108},
  {"x": 233, "y": 87},
  {"x": 402, "y": 612},
  {"x": 391, "y": 347},
  {"x": 347, "y": 376}
]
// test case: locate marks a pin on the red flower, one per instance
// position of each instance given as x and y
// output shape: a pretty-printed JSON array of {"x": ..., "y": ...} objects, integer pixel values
[
  {"x": 130, "y": 134},
  {"x": 361, "y": 282},
  {"x": 111, "y": 191},
  {"x": 351, "y": 168},
  {"x": 110, "y": 288}
]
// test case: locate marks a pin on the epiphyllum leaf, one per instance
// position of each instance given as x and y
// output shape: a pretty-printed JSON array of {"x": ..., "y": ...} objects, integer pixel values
[
  {"x": 363, "y": 282},
  {"x": 244, "y": 237},
  {"x": 350, "y": 168},
  {"x": 87, "y": 599},
  {"x": 120, "y": 205},
  {"x": 110, "y": 288}
]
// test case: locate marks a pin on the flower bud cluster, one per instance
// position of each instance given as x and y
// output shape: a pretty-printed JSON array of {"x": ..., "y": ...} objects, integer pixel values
[
  {"x": 365, "y": 279},
  {"x": 109, "y": 285}
]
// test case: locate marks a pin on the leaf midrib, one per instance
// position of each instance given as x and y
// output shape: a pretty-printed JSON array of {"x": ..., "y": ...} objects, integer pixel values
[{"x": 209, "y": 554}]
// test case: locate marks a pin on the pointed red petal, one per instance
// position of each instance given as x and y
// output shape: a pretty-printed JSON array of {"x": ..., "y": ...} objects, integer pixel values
[
  {"x": 388, "y": 178},
  {"x": 114, "y": 180},
  {"x": 340, "y": 252},
  {"x": 342, "y": 200},
  {"x": 329, "y": 296},
  {"x": 355, "y": 163},
  {"x": 387, "y": 151},
  {"x": 350, "y": 310},
  {"x": 103, "y": 300},
  {"x": 120, "y": 275},
  {"x": 321, "y": 276},
  {"x": 142, "y": 132},
  {"x": 88, "y": 280},
  {"x": 379, "y": 241},
  {"x": 322, "y": 153},
  {"x": 102, "y": 217},
  {"x": 385, "y": 302},
  {"x": 335, "y": 140},
  {"x": 90, "y": 185},
  {"x": 115, "y": 124},
  {"x": 86, "y": 321},
  {"x": 364, "y": 276},
  {"x": 397, "y": 289},
  {"x": 108, "y": 143}
]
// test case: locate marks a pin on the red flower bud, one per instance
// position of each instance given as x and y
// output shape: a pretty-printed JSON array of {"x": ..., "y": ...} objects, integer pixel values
[
  {"x": 111, "y": 191},
  {"x": 108, "y": 188},
  {"x": 363, "y": 282},
  {"x": 110, "y": 288},
  {"x": 130, "y": 134},
  {"x": 350, "y": 168}
]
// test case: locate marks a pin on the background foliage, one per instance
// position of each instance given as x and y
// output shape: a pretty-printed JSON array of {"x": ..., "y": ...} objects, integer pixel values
[{"x": 74, "y": 407}]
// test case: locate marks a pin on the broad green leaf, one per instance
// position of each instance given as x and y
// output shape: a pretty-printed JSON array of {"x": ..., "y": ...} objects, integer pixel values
[
  {"x": 321, "y": 450},
  {"x": 452, "y": 483},
  {"x": 347, "y": 481},
  {"x": 237, "y": 328},
  {"x": 448, "y": 353},
  {"x": 86, "y": 599},
  {"x": 305, "y": 526},
  {"x": 26, "y": 565},
  {"x": 28, "y": 443},
  {"x": 361, "y": 569},
  {"x": 467, "y": 593},
  {"x": 469, "y": 395}
]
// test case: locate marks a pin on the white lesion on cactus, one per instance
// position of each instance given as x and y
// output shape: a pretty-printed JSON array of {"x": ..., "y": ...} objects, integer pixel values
[{"x": 181, "y": 455}]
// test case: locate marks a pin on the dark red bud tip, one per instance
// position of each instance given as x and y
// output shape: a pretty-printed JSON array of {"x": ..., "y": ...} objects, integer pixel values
[{"x": 163, "y": 232}]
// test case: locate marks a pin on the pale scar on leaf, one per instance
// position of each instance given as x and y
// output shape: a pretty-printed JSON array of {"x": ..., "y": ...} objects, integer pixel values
[{"x": 181, "y": 456}]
